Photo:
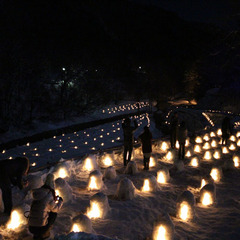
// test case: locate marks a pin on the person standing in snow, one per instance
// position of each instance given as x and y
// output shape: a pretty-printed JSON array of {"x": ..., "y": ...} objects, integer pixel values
[
  {"x": 128, "y": 141},
  {"x": 173, "y": 130},
  {"x": 146, "y": 139},
  {"x": 226, "y": 130},
  {"x": 12, "y": 173},
  {"x": 44, "y": 208},
  {"x": 182, "y": 136}
]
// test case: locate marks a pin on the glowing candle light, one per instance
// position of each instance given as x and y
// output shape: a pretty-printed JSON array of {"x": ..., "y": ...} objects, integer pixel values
[
  {"x": 62, "y": 173},
  {"x": 15, "y": 220},
  {"x": 207, "y": 199},
  {"x": 194, "y": 162},
  {"x": 161, "y": 233},
  {"x": 236, "y": 161},
  {"x": 232, "y": 147},
  {"x": 169, "y": 156},
  {"x": 54, "y": 136},
  {"x": 216, "y": 155},
  {"x": 37, "y": 155},
  {"x": 207, "y": 155},
  {"x": 184, "y": 211},
  {"x": 206, "y": 137},
  {"x": 198, "y": 140},
  {"x": 212, "y": 134},
  {"x": 3, "y": 151},
  {"x": 238, "y": 134},
  {"x": 50, "y": 150},
  {"x": 188, "y": 154},
  {"x": 161, "y": 178},
  {"x": 28, "y": 144},
  {"x": 203, "y": 183},
  {"x": 85, "y": 143},
  {"x": 214, "y": 143},
  {"x": 102, "y": 144},
  {"x": 151, "y": 162},
  {"x": 72, "y": 141},
  {"x": 107, "y": 161},
  {"x": 233, "y": 138},
  {"x": 146, "y": 186},
  {"x": 187, "y": 143},
  {"x": 206, "y": 146},
  {"x": 88, "y": 164},
  {"x": 75, "y": 228},
  {"x": 164, "y": 146},
  {"x": 238, "y": 143},
  {"x": 33, "y": 164},
  {"x": 35, "y": 149},
  {"x": 215, "y": 175},
  {"x": 219, "y": 132},
  {"x": 93, "y": 184},
  {"x": 10, "y": 157},
  {"x": 75, "y": 147},
  {"x": 197, "y": 148},
  {"x": 177, "y": 145},
  {"x": 94, "y": 211},
  {"x": 225, "y": 150}
]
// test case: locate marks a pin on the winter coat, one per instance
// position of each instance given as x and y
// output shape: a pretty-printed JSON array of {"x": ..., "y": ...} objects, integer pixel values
[
  {"x": 146, "y": 139},
  {"x": 12, "y": 171},
  {"x": 128, "y": 131},
  {"x": 43, "y": 203},
  {"x": 182, "y": 135}
]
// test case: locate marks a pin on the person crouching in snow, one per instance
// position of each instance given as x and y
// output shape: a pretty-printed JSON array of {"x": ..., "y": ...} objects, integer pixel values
[
  {"x": 182, "y": 136},
  {"x": 128, "y": 131},
  {"x": 44, "y": 208},
  {"x": 12, "y": 172},
  {"x": 146, "y": 139}
]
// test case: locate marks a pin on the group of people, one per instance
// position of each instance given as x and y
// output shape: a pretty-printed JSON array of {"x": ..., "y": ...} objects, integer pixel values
[
  {"x": 45, "y": 204},
  {"x": 145, "y": 137}
]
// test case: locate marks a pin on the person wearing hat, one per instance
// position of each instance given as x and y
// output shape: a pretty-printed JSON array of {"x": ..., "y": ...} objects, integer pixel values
[
  {"x": 44, "y": 208},
  {"x": 128, "y": 131},
  {"x": 146, "y": 139},
  {"x": 12, "y": 172}
]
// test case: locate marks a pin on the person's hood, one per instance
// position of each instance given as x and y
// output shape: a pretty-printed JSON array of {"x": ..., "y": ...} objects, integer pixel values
[{"x": 40, "y": 193}]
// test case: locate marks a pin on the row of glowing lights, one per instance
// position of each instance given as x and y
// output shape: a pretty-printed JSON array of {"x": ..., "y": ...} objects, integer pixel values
[
  {"x": 126, "y": 107},
  {"x": 208, "y": 118},
  {"x": 141, "y": 117}
]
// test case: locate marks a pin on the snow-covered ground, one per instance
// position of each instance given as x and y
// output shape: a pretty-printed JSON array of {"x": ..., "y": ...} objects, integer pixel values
[
  {"x": 107, "y": 112},
  {"x": 137, "y": 217}
]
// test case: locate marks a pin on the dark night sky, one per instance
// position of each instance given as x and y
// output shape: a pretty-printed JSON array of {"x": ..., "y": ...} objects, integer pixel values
[{"x": 221, "y": 12}]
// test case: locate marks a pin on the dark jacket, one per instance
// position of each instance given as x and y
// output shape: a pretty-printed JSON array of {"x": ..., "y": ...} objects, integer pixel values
[
  {"x": 128, "y": 131},
  {"x": 12, "y": 171},
  {"x": 182, "y": 134},
  {"x": 146, "y": 139}
]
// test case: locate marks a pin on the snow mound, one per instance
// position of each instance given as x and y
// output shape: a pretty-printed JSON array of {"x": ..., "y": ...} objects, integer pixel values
[
  {"x": 187, "y": 199},
  {"x": 150, "y": 184},
  {"x": 131, "y": 168},
  {"x": 64, "y": 190},
  {"x": 106, "y": 160},
  {"x": 95, "y": 181},
  {"x": 163, "y": 175},
  {"x": 83, "y": 223},
  {"x": 99, "y": 201},
  {"x": 110, "y": 173},
  {"x": 125, "y": 190},
  {"x": 163, "y": 228},
  {"x": 179, "y": 165},
  {"x": 82, "y": 236},
  {"x": 90, "y": 163},
  {"x": 210, "y": 189}
]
